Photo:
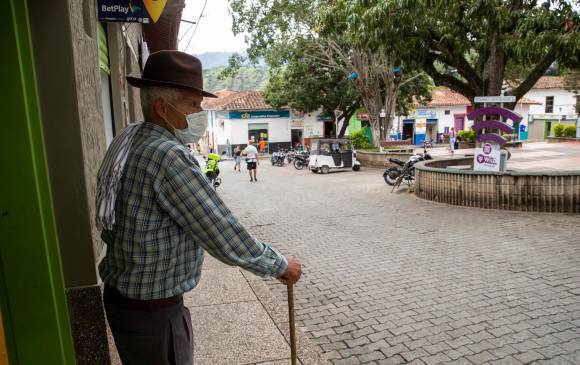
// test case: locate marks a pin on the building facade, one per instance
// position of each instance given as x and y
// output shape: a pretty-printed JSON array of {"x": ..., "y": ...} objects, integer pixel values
[
  {"x": 235, "y": 117},
  {"x": 555, "y": 105}
]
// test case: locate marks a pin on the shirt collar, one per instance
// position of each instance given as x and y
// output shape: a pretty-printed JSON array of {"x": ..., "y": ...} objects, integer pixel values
[{"x": 160, "y": 130}]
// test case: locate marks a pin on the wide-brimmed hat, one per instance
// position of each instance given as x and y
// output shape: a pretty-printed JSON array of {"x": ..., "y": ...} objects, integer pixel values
[{"x": 172, "y": 69}]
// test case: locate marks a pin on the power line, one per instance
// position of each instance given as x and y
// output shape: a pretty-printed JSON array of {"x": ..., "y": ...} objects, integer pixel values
[
  {"x": 186, "y": 32},
  {"x": 196, "y": 24}
]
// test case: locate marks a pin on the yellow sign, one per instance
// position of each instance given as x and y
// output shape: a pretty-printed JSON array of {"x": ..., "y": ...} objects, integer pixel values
[
  {"x": 155, "y": 8},
  {"x": 246, "y": 115}
]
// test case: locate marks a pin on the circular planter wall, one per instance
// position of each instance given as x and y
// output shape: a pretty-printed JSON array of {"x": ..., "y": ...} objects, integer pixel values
[
  {"x": 531, "y": 191},
  {"x": 381, "y": 159}
]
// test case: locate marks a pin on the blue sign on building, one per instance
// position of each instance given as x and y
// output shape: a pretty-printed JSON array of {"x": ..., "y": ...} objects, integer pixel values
[
  {"x": 262, "y": 114},
  {"x": 130, "y": 11}
]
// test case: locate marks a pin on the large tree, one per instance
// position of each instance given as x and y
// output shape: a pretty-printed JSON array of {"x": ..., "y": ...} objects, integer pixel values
[
  {"x": 275, "y": 30},
  {"x": 302, "y": 83},
  {"x": 471, "y": 46}
]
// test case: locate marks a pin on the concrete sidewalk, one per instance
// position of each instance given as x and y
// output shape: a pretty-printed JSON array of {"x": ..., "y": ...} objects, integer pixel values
[{"x": 237, "y": 321}]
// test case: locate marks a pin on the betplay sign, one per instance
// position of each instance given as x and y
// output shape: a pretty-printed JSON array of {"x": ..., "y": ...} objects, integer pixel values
[{"x": 130, "y": 11}]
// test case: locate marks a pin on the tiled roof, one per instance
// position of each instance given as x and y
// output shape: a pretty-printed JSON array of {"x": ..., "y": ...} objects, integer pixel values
[
  {"x": 441, "y": 97},
  {"x": 549, "y": 82},
  {"x": 236, "y": 100}
]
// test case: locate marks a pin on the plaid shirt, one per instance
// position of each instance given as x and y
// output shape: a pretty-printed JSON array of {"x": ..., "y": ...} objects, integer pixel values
[{"x": 166, "y": 215}]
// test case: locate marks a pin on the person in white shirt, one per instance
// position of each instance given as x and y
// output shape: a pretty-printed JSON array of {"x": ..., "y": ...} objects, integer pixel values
[{"x": 251, "y": 153}]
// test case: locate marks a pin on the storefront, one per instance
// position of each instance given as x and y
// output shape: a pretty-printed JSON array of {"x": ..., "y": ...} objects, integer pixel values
[{"x": 236, "y": 117}]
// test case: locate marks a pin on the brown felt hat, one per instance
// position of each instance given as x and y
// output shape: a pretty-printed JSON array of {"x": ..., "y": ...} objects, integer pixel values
[{"x": 172, "y": 69}]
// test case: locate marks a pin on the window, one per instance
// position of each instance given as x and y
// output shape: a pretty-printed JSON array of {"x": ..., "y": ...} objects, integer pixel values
[
  {"x": 447, "y": 112},
  {"x": 549, "y": 104},
  {"x": 577, "y": 104}
]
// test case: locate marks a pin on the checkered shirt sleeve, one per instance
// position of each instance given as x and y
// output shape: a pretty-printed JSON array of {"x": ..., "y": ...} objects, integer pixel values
[{"x": 188, "y": 197}]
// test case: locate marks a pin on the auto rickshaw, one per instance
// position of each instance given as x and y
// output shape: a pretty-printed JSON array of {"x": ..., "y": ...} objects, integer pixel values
[{"x": 331, "y": 154}]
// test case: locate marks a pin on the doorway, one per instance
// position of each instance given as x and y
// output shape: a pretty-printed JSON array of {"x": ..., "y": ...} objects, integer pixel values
[
  {"x": 408, "y": 129},
  {"x": 432, "y": 130},
  {"x": 258, "y": 132},
  {"x": 296, "y": 137}
]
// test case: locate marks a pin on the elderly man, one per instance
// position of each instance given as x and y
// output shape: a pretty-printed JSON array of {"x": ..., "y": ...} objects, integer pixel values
[{"x": 158, "y": 214}]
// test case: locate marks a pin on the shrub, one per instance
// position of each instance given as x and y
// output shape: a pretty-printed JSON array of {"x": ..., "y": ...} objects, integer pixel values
[
  {"x": 359, "y": 140},
  {"x": 559, "y": 130},
  {"x": 570, "y": 131},
  {"x": 467, "y": 136}
]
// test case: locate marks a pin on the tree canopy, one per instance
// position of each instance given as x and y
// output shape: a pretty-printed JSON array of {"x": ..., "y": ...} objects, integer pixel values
[
  {"x": 470, "y": 46},
  {"x": 321, "y": 66}
]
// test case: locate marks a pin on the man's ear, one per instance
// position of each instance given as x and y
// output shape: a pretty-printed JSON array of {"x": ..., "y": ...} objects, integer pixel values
[{"x": 160, "y": 108}]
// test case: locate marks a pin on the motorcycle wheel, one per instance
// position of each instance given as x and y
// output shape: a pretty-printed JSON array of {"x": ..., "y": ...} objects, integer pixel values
[
  {"x": 391, "y": 176},
  {"x": 298, "y": 165}
]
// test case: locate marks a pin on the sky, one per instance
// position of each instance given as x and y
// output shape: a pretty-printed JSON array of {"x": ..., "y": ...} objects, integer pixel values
[{"x": 214, "y": 29}]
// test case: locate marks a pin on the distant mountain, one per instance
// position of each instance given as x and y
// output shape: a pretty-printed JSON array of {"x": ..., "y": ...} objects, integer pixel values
[
  {"x": 248, "y": 78},
  {"x": 214, "y": 59},
  {"x": 218, "y": 59}
]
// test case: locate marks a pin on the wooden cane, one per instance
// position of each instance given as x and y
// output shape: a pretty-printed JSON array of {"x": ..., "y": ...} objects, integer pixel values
[{"x": 291, "y": 323}]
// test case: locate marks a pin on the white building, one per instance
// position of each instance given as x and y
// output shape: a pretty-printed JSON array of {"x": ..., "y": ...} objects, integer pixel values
[
  {"x": 235, "y": 117},
  {"x": 555, "y": 105},
  {"x": 446, "y": 109}
]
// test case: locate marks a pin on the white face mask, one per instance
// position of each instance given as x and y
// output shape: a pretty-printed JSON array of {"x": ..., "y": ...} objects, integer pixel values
[{"x": 196, "y": 126}]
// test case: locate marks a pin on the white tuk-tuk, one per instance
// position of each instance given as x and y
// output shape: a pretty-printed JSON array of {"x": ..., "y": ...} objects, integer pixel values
[{"x": 328, "y": 154}]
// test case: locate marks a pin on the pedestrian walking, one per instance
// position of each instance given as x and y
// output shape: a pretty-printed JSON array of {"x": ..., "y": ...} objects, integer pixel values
[
  {"x": 452, "y": 139},
  {"x": 252, "y": 161},
  {"x": 237, "y": 158},
  {"x": 158, "y": 215}
]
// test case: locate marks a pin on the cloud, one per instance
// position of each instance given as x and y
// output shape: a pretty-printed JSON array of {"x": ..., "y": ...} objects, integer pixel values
[{"x": 214, "y": 31}]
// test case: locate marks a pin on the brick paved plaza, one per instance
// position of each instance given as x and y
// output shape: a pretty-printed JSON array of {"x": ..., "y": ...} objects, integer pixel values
[{"x": 391, "y": 279}]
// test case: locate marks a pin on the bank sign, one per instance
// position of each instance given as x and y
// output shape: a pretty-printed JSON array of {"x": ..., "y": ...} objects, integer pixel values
[
  {"x": 262, "y": 114},
  {"x": 130, "y": 11},
  {"x": 487, "y": 158}
]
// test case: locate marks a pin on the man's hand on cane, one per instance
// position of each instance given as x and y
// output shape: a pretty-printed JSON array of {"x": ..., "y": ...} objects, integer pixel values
[{"x": 293, "y": 272}]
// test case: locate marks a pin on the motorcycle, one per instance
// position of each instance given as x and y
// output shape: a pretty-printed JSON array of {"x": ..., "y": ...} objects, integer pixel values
[
  {"x": 212, "y": 169},
  {"x": 301, "y": 160},
  {"x": 404, "y": 171},
  {"x": 278, "y": 158}
]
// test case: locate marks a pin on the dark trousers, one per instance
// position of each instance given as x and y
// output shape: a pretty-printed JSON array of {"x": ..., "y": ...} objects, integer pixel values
[{"x": 150, "y": 336}]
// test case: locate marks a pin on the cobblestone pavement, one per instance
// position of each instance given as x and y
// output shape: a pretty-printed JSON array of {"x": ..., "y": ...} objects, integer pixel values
[
  {"x": 532, "y": 156},
  {"x": 392, "y": 279}
]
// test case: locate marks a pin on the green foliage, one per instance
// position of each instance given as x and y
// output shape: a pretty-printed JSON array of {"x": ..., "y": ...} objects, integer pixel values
[
  {"x": 467, "y": 136},
  {"x": 306, "y": 85},
  {"x": 570, "y": 131},
  {"x": 359, "y": 140},
  {"x": 481, "y": 41},
  {"x": 247, "y": 78},
  {"x": 559, "y": 130}
]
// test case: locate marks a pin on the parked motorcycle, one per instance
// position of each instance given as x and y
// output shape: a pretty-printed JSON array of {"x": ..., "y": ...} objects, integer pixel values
[
  {"x": 404, "y": 171},
  {"x": 278, "y": 158},
  {"x": 301, "y": 160}
]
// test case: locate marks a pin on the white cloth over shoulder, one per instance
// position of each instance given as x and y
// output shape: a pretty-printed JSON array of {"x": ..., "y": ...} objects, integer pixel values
[{"x": 110, "y": 174}]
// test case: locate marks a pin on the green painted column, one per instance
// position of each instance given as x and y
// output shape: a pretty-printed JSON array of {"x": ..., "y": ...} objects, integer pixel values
[{"x": 32, "y": 295}]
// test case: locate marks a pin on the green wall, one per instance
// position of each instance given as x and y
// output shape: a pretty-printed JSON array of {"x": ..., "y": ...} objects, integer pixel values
[
  {"x": 354, "y": 124},
  {"x": 32, "y": 296}
]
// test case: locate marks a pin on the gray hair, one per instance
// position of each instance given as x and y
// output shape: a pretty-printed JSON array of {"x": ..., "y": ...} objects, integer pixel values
[{"x": 152, "y": 93}]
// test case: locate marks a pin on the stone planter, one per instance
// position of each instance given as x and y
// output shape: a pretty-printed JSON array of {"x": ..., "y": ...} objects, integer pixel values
[
  {"x": 381, "y": 159},
  {"x": 563, "y": 139},
  {"x": 528, "y": 191},
  {"x": 466, "y": 145}
]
